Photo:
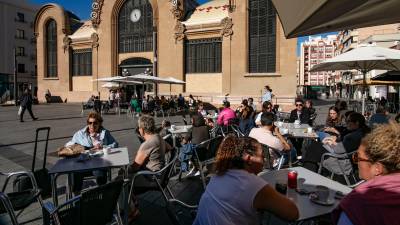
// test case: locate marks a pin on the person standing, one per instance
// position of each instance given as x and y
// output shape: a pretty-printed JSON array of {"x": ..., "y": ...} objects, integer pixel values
[
  {"x": 267, "y": 97},
  {"x": 26, "y": 103}
]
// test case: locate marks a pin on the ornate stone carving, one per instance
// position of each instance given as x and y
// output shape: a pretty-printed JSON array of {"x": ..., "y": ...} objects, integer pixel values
[
  {"x": 66, "y": 43},
  {"x": 96, "y": 12},
  {"x": 226, "y": 25},
  {"x": 180, "y": 29},
  {"x": 95, "y": 40},
  {"x": 177, "y": 11}
]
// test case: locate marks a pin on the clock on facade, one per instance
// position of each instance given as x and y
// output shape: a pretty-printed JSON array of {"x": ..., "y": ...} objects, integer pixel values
[
  {"x": 174, "y": 2},
  {"x": 135, "y": 15}
]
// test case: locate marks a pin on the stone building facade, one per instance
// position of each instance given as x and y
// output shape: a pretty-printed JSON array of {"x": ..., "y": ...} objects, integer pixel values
[{"x": 220, "y": 47}]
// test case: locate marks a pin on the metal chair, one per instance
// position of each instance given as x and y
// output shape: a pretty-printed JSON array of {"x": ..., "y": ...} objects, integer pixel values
[
  {"x": 18, "y": 200},
  {"x": 6, "y": 206},
  {"x": 269, "y": 165},
  {"x": 158, "y": 180},
  {"x": 338, "y": 164},
  {"x": 175, "y": 211},
  {"x": 95, "y": 206},
  {"x": 204, "y": 154}
]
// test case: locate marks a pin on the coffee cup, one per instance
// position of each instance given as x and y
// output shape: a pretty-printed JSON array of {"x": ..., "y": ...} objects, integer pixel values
[
  {"x": 280, "y": 123},
  {"x": 309, "y": 130},
  {"x": 297, "y": 122},
  {"x": 284, "y": 131},
  {"x": 173, "y": 127},
  {"x": 322, "y": 193},
  {"x": 106, "y": 150}
]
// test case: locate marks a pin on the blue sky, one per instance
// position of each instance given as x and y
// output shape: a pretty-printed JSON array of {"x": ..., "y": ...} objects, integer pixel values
[{"x": 82, "y": 9}]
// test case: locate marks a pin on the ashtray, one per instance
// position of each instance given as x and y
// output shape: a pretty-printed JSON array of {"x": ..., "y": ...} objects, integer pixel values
[{"x": 314, "y": 198}]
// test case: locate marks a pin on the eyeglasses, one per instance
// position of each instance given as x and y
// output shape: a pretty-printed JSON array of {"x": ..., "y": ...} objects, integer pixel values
[
  {"x": 299, "y": 104},
  {"x": 356, "y": 158},
  {"x": 92, "y": 123}
]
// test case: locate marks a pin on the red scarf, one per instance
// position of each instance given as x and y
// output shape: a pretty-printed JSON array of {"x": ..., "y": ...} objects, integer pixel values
[{"x": 376, "y": 201}]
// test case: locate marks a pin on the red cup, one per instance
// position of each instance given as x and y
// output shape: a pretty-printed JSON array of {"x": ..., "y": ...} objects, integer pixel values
[{"x": 292, "y": 179}]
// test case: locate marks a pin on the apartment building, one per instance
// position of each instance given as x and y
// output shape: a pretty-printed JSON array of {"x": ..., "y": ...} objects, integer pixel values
[{"x": 17, "y": 39}]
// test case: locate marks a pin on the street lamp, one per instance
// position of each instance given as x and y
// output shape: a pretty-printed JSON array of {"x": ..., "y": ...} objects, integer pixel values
[{"x": 15, "y": 76}]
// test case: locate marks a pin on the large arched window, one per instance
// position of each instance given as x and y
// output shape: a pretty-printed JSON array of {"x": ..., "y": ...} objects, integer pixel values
[
  {"x": 262, "y": 36},
  {"x": 135, "y": 26},
  {"x": 51, "y": 48}
]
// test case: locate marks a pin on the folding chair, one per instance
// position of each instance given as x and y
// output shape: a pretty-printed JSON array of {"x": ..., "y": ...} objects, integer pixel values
[
  {"x": 18, "y": 200},
  {"x": 204, "y": 154},
  {"x": 95, "y": 206}
]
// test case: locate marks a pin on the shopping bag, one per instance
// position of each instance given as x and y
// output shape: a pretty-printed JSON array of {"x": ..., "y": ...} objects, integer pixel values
[{"x": 19, "y": 110}]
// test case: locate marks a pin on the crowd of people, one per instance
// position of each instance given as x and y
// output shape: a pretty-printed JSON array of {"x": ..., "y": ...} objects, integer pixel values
[{"x": 375, "y": 147}]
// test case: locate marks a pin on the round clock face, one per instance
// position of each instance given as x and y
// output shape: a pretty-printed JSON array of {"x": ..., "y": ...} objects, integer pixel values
[
  {"x": 174, "y": 2},
  {"x": 135, "y": 15}
]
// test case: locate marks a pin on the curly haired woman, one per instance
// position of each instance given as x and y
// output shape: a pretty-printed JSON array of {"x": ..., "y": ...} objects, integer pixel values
[
  {"x": 377, "y": 201},
  {"x": 236, "y": 193}
]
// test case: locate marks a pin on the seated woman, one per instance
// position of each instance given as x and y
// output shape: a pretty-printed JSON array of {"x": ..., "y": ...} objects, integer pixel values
[
  {"x": 266, "y": 107},
  {"x": 377, "y": 201},
  {"x": 246, "y": 122},
  {"x": 95, "y": 137},
  {"x": 333, "y": 124},
  {"x": 350, "y": 142},
  {"x": 237, "y": 163}
]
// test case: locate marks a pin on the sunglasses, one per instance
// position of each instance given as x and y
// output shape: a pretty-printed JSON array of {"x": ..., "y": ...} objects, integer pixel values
[
  {"x": 299, "y": 104},
  {"x": 356, "y": 158},
  {"x": 92, "y": 123}
]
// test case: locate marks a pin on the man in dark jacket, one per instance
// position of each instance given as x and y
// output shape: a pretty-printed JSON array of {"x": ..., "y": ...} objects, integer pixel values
[
  {"x": 299, "y": 113},
  {"x": 26, "y": 103}
]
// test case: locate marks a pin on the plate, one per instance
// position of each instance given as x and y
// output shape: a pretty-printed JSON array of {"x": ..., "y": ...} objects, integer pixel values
[{"x": 314, "y": 198}]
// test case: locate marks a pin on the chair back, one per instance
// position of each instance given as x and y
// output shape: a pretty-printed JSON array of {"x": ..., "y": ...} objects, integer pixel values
[
  {"x": 213, "y": 146},
  {"x": 98, "y": 204},
  {"x": 165, "y": 172},
  {"x": 267, "y": 157},
  {"x": 93, "y": 207}
]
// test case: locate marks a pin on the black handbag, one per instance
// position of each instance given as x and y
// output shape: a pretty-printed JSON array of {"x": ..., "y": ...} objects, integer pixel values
[{"x": 42, "y": 177}]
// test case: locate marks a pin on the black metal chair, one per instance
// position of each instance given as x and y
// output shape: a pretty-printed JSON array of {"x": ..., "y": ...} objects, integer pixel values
[
  {"x": 95, "y": 206},
  {"x": 204, "y": 155},
  {"x": 18, "y": 200}
]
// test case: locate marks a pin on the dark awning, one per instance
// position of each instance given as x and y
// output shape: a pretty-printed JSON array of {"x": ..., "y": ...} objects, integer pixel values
[{"x": 388, "y": 76}]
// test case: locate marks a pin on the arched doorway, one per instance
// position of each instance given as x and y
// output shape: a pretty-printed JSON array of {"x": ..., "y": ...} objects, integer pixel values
[{"x": 133, "y": 66}]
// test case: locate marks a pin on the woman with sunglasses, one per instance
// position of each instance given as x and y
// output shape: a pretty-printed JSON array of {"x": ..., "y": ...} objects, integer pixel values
[
  {"x": 94, "y": 137},
  {"x": 266, "y": 107},
  {"x": 376, "y": 201},
  {"x": 236, "y": 193}
]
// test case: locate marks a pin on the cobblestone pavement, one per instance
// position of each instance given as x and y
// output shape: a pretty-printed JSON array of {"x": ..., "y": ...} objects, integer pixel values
[{"x": 17, "y": 143}]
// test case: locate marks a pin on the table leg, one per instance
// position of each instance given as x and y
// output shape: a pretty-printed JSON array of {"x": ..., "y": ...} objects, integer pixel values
[
  {"x": 125, "y": 197},
  {"x": 53, "y": 178},
  {"x": 69, "y": 187}
]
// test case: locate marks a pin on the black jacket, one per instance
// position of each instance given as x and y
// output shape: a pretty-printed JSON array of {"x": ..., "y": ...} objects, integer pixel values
[
  {"x": 26, "y": 100},
  {"x": 304, "y": 116}
]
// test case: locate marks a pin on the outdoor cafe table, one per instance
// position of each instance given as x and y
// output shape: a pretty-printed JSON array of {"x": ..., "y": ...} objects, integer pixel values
[
  {"x": 179, "y": 130},
  {"x": 116, "y": 159},
  {"x": 307, "y": 208},
  {"x": 297, "y": 131}
]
